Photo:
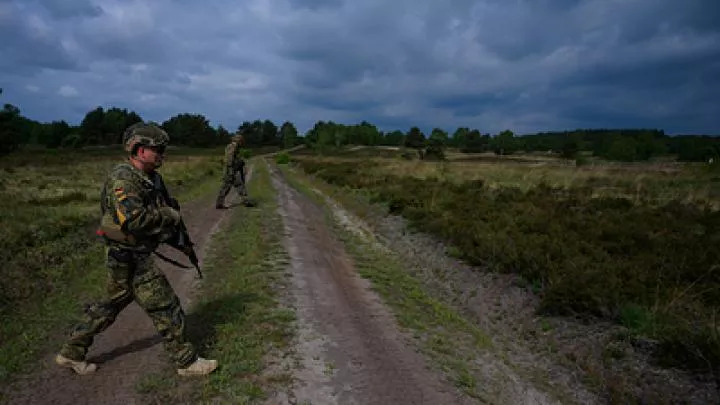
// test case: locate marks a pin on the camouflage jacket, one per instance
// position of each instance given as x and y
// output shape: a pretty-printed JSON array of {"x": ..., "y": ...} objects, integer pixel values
[
  {"x": 233, "y": 160},
  {"x": 134, "y": 209}
]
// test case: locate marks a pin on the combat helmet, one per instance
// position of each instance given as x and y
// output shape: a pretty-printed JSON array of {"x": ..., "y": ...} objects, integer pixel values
[{"x": 142, "y": 134}]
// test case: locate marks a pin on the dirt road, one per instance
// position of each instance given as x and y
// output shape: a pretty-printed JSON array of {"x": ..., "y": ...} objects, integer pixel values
[
  {"x": 348, "y": 345},
  {"x": 131, "y": 347}
]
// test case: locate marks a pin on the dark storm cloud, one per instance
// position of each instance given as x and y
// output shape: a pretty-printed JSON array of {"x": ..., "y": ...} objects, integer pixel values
[
  {"x": 70, "y": 8},
  {"x": 316, "y": 4},
  {"x": 493, "y": 64},
  {"x": 28, "y": 44}
]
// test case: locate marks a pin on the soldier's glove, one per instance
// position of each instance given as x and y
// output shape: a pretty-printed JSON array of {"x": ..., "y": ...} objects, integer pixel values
[
  {"x": 171, "y": 214},
  {"x": 167, "y": 236}
]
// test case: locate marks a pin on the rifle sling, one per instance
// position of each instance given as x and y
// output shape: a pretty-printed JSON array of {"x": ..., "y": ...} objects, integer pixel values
[{"x": 169, "y": 260}]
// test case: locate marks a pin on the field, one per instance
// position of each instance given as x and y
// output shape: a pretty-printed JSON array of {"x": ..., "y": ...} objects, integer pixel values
[
  {"x": 633, "y": 244},
  {"x": 50, "y": 255}
]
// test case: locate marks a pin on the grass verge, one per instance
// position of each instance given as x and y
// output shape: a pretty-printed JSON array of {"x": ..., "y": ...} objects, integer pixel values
[
  {"x": 443, "y": 335},
  {"x": 236, "y": 318}
]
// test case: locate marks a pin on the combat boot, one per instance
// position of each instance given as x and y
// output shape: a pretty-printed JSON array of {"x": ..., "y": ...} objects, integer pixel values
[
  {"x": 199, "y": 367},
  {"x": 80, "y": 367}
]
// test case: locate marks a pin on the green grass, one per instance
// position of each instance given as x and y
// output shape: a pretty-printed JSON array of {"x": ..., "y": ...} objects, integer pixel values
[
  {"x": 642, "y": 261},
  {"x": 51, "y": 260},
  {"x": 446, "y": 337},
  {"x": 236, "y": 318},
  {"x": 25, "y": 328}
]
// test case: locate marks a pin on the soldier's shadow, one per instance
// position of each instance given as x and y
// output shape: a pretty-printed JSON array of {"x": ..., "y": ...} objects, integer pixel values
[
  {"x": 204, "y": 318},
  {"x": 252, "y": 203},
  {"x": 201, "y": 323},
  {"x": 135, "y": 346}
]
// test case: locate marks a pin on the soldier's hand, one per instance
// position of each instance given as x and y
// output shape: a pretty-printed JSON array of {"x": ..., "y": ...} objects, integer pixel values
[
  {"x": 168, "y": 236},
  {"x": 172, "y": 214}
]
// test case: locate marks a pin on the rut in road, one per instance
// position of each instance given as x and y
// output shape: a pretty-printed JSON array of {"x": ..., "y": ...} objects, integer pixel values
[
  {"x": 348, "y": 344},
  {"x": 130, "y": 347}
]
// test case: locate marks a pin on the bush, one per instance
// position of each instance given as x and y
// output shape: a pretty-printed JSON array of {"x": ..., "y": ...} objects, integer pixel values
[
  {"x": 282, "y": 158},
  {"x": 434, "y": 153},
  {"x": 581, "y": 161},
  {"x": 245, "y": 153}
]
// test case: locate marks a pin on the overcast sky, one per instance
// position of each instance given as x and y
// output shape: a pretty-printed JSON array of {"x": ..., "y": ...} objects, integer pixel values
[{"x": 524, "y": 65}]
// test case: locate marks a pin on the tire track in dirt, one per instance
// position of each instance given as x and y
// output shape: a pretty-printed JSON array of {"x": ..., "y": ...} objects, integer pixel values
[
  {"x": 500, "y": 383},
  {"x": 131, "y": 347},
  {"x": 348, "y": 345}
]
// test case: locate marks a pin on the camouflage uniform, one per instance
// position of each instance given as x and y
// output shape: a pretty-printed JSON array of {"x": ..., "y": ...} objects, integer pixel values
[
  {"x": 135, "y": 221},
  {"x": 234, "y": 174}
]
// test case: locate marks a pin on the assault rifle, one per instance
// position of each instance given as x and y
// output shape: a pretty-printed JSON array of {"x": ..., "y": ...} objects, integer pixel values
[{"x": 181, "y": 240}]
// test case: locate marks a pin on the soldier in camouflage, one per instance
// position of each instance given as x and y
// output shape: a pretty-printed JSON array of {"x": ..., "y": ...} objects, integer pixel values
[
  {"x": 135, "y": 221},
  {"x": 234, "y": 174}
]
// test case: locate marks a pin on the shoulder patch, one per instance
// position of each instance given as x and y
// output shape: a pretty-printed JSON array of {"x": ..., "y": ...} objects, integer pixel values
[{"x": 122, "y": 172}]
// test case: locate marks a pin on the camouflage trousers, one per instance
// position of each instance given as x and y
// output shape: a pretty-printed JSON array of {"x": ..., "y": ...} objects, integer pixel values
[
  {"x": 230, "y": 180},
  {"x": 134, "y": 277}
]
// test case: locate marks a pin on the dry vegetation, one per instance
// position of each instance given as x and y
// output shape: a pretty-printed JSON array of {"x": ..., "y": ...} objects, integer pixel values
[{"x": 634, "y": 244}]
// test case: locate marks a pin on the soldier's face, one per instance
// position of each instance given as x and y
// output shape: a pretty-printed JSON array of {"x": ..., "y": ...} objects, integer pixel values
[{"x": 151, "y": 156}]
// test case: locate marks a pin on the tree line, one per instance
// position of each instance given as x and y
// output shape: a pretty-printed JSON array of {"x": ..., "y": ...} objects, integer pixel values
[
  {"x": 105, "y": 127},
  {"x": 612, "y": 144}
]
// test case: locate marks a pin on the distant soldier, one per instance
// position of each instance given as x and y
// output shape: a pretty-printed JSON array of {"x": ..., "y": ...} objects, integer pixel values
[
  {"x": 234, "y": 172},
  {"x": 135, "y": 220}
]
